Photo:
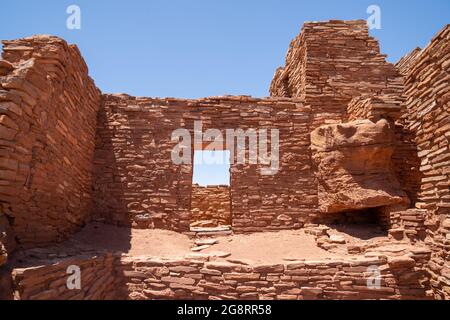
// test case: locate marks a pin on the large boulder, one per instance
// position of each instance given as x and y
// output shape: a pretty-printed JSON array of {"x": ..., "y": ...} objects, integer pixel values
[{"x": 353, "y": 166}]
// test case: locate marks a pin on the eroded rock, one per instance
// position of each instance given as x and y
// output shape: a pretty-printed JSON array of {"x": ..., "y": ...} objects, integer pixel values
[{"x": 353, "y": 166}]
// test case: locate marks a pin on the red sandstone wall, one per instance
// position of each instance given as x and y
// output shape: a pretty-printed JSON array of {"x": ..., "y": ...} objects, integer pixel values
[
  {"x": 330, "y": 63},
  {"x": 48, "y": 107},
  {"x": 142, "y": 278},
  {"x": 307, "y": 280},
  {"x": 337, "y": 68},
  {"x": 211, "y": 206},
  {"x": 106, "y": 276},
  {"x": 428, "y": 118},
  {"x": 406, "y": 62},
  {"x": 49, "y": 281},
  {"x": 137, "y": 184}
]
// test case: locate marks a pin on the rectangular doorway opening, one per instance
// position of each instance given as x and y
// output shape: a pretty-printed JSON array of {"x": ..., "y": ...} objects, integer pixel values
[{"x": 211, "y": 200}]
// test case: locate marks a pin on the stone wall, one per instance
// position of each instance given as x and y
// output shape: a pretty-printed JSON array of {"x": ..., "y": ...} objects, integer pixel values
[
  {"x": 210, "y": 206},
  {"x": 407, "y": 61},
  {"x": 330, "y": 63},
  {"x": 106, "y": 276},
  {"x": 7, "y": 239},
  {"x": 428, "y": 118},
  {"x": 408, "y": 223},
  {"x": 48, "y": 281},
  {"x": 375, "y": 108},
  {"x": 63, "y": 162},
  {"x": 48, "y": 107},
  {"x": 152, "y": 278},
  {"x": 337, "y": 68},
  {"x": 137, "y": 183}
]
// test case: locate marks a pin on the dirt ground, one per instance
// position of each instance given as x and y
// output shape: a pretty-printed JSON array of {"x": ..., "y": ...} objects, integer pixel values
[
  {"x": 271, "y": 247},
  {"x": 261, "y": 248},
  {"x": 267, "y": 247}
]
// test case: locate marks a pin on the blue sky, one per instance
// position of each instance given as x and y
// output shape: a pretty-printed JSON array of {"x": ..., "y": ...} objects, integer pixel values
[
  {"x": 201, "y": 48},
  {"x": 211, "y": 168}
]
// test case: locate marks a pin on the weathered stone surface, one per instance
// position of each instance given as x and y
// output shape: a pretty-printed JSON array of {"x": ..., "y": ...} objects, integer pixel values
[
  {"x": 427, "y": 92},
  {"x": 354, "y": 166},
  {"x": 48, "y": 110},
  {"x": 332, "y": 62},
  {"x": 210, "y": 206},
  {"x": 69, "y": 154},
  {"x": 5, "y": 67},
  {"x": 3, "y": 254},
  {"x": 375, "y": 108},
  {"x": 163, "y": 190},
  {"x": 46, "y": 281}
]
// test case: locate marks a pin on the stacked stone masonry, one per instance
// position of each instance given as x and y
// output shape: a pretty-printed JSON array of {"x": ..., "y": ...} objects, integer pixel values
[
  {"x": 98, "y": 280},
  {"x": 428, "y": 118},
  {"x": 330, "y": 63},
  {"x": 48, "y": 107},
  {"x": 144, "y": 277},
  {"x": 210, "y": 206},
  {"x": 70, "y": 154},
  {"x": 131, "y": 183},
  {"x": 408, "y": 223}
]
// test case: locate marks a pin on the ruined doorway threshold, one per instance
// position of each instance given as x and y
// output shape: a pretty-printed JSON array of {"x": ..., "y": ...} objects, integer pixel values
[{"x": 211, "y": 231}]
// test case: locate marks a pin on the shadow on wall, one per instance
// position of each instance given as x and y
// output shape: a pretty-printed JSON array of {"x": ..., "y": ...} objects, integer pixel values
[
  {"x": 81, "y": 268},
  {"x": 361, "y": 224},
  {"x": 136, "y": 183},
  {"x": 108, "y": 180},
  {"x": 406, "y": 163}
]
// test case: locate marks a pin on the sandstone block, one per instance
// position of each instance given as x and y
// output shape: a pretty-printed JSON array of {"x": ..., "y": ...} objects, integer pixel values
[{"x": 353, "y": 166}]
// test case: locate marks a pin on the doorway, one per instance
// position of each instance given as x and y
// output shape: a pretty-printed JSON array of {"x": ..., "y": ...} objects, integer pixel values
[{"x": 210, "y": 200}]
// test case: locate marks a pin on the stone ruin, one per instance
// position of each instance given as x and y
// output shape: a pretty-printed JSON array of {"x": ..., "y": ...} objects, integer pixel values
[{"x": 363, "y": 144}]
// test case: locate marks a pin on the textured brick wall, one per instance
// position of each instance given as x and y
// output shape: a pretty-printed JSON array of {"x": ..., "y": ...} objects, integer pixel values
[
  {"x": 401, "y": 278},
  {"x": 48, "y": 281},
  {"x": 135, "y": 178},
  {"x": 377, "y": 107},
  {"x": 428, "y": 118},
  {"x": 211, "y": 206},
  {"x": 48, "y": 107},
  {"x": 330, "y": 63},
  {"x": 106, "y": 276},
  {"x": 406, "y": 62},
  {"x": 334, "y": 70}
]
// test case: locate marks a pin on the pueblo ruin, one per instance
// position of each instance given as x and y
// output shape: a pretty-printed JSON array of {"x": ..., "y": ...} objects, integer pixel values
[{"x": 93, "y": 207}]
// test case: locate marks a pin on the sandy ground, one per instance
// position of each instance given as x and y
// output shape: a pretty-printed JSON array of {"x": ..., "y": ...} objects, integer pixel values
[
  {"x": 271, "y": 247},
  {"x": 136, "y": 242},
  {"x": 263, "y": 248},
  {"x": 268, "y": 247}
]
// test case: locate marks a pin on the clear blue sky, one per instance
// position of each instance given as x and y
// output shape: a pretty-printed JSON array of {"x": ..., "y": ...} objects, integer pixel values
[
  {"x": 201, "y": 48},
  {"x": 211, "y": 168}
]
